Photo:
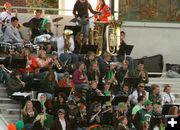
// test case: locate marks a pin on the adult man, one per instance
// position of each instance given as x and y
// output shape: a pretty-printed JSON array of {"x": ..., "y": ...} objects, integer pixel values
[
  {"x": 36, "y": 24},
  {"x": 65, "y": 47},
  {"x": 80, "y": 12},
  {"x": 11, "y": 34},
  {"x": 143, "y": 117},
  {"x": 60, "y": 123}
]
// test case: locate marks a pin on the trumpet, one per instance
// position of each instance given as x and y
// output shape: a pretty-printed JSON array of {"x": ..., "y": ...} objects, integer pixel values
[{"x": 57, "y": 64}]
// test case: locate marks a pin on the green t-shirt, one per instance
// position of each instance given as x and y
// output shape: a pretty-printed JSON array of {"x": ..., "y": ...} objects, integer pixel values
[{"x": 136, "y": 109}]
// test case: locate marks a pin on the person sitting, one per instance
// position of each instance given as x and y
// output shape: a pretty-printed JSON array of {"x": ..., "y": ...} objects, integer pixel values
[
  {"x": 49, "y": 85},
  {"x": 14, "y": 83},
  {"x": 60, "y": 123},
  {"x": 168, "y": 97},
  {"x": 29, "y": 114},
  {"x": 65, "y": 81},
  {"x": 138, "y": 92},
  {"x": 155, "y": 96},
  {"x": 80, "y": 79},
  {"x": 65, "y": 47},
  {"x": 11, "y": 34},
  {"x": 141, "y": 73},
  {"x": 93, "y": 72},
  {"x": 79, "y": 42}
]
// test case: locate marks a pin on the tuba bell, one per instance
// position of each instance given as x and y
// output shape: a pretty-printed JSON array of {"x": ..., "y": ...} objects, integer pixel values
[{"x": 113, "y": 33}]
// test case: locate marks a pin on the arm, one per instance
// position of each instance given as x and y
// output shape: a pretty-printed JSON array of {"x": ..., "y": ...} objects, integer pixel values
[
  {"x": 75, "y": 10},
  {"x": 72, "y": 45},
  {"x": 91, "y": 10}
]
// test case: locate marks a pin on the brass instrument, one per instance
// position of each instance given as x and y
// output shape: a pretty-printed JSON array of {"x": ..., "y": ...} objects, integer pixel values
[
  {"x": 57, "y": 64},
  {"x": 67, "y": 44},
  {"x": 113, "y": 33}
]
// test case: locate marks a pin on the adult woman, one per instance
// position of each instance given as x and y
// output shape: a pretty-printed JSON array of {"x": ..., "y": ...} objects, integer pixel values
[
  {"x": 80, "y": 78},
  {"x": 105, "y": 11},
  {"x": 29, "y": 114},
  {"x": 79, "y": 41}
]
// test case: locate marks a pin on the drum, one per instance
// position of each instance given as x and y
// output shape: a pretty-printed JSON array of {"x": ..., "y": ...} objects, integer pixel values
[
  {"x": 19, "y": 47},
  {"x": 5, "y": 47},
  {"x": 45, "y": 38}
]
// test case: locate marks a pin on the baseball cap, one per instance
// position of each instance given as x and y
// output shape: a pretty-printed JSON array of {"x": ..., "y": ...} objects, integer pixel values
[{"x": 147, "y": 102}]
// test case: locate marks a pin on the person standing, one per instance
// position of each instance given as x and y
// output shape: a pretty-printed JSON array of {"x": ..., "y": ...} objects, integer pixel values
[
  {"x": 80, "y": 11},
  {"x": 36, "y": 24},
  {"x": 6, "y": 15},
  {"x": 105, "y": 11}
]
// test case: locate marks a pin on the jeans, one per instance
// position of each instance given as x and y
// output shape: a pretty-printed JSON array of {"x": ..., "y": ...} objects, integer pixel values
[
  {"x": 82, "y": 128},
  {"x": 85, "y": 30},
  {"x": 73, "y": 58}
]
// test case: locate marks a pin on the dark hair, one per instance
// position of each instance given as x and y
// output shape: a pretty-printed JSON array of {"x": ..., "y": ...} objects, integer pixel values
[
  {"x": 141, "y": 61},
  {"x": 122, "y": 32},
  {"x": 15, "y": 73},
  {"x": 14, "y": 18},
  {"x": 38, "y": 11},
  {"x": 140, "y": 98}
]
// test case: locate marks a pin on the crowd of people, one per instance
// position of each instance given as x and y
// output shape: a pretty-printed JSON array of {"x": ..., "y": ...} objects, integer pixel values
[{"x": 81, "y": 91}]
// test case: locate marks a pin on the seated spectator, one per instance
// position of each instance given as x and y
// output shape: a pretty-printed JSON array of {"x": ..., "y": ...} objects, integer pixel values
[
  {"x": 142, "y": 118},
  {"x": 168, "y": 97},
  {"x": 155, "y": 96},
  {"x": 90, "y": 58},
  {"x": 60, "y": 103},
  {"x": 11, "y": 34},
  {"x": 15, "y": 84},
  {"x": 94, "y": 91},
  {"x": 82, "y": 117},
  {"x": 66, "y": 81},
  {"x": 29, "y": 114},
  {"x": 123, "y": 124},
  {"x": 141, "y": 73},
  {"x": 138, "y": 92},
  {"x": 93, "y": 72},
  {"x": 173, "y": 110},
  {"x": 49, "y": 85},
  {"x": 106, "y": 91},
  {"x": 80, "y": 78},
  {"x": 60, "y": 123}
]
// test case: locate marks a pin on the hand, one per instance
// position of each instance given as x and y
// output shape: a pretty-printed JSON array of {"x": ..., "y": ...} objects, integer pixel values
[{"x": 78, "y": 18}]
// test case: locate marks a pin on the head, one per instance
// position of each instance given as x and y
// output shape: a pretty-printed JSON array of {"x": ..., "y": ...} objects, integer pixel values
[
  {"x": 156, "y": 108},
  {"x": 167, "y": 88},
  {"x": 15, "y": 74},
  {"x": 50, "y": 76},
  {"x": 42, "y": 98},
  {"x": 42, "y": 54},
  {"x": 28, "y": 105},
  {"x": 26, "y": 52},
  {"x": 107, "y": 86},
  {"x": 94, "y": 66},
  {"x": 141, "y": 87},
  {"x": 125, "y": 87},
  {"x": 82, "y": 1},
  {"x": 155, "y": 89},
  {"x": 173, "y": 110},
  {"x": 141, "y": 99},
  {"x": 91, "y": 55},
  {"x": 15, "y": 21},
  {"x": 61, "y": 113},
  {"x": 107, "y": 56},
  {"x": 148, "y": 105},
  {"x": 123, "y": 34},
  {"x": 140, "y": 65},
  {"x": 101, "y": 2},
  {"x": 81, "y": 66},
  {"x": 7, "y": 6},
  {"x": 122, "y": 107},
  {"x": 113, "y": 65},
  {"x": 67, "y": 33},
  {"x": 38, "y": 13},
  {"x": 94, "y": 84},
  {"x": 79, "y": 37},
  {"x": 61, "y": 97}
]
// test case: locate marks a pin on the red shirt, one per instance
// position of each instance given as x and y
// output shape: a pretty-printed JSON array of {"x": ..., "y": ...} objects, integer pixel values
[
  {"x": 105, "y": 13},
  {"x": 32, "y": 67}
]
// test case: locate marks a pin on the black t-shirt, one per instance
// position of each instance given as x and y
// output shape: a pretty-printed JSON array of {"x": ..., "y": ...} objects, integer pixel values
[{"x": 36, "y": 27}]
